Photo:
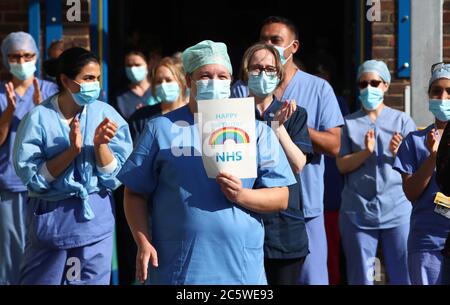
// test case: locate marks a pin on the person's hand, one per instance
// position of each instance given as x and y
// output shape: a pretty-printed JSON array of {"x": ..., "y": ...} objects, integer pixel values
[
  {"x": 230, "y": 186},
  {"x": 139, "y": 106},
  {"x": 433, "y": 141},
  {"x": 10, "y": 96},
  {"x": 146, "y": 252},
  {"x": 37, "y": 97},
  {"x": 395, "y": 142},
  {"x": 76, "y": 142},
  {"x": 285, "y": 112},
  {"x": 369, "y": 140},
  {"x": 104, "y": 132}
]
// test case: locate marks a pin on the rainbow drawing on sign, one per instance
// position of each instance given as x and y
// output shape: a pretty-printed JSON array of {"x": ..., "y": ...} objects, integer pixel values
[{"x": 223, "y": 134}]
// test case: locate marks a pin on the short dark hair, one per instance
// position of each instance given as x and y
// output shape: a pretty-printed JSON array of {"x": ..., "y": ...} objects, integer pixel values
[
  {"x": 137, "y": 53},
  {"x": 277, "y": 19},
  {"x": 71, "y": 61}
]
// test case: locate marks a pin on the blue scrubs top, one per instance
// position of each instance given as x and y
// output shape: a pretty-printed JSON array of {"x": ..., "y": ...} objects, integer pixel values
[
  {"x": 128, "y": 101},
  {"x": 200, "y": 236},
  {"x": 44, "y": 134},
  {"x": 317, "y": 97},
  {"x": 140, "y": 117},
  {"x": 8, "y": 178},
  {"x": 428, "y": 228},
  {"x": 286, "y": 236},
  {"x": 373, "y": 196}
]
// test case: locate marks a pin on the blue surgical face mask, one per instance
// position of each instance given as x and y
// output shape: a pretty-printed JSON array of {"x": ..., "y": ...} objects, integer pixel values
[
  {"x": 23, "y": 71},
  {"x": 136, "y": 74},
  {"x": 89, "y": 93},
  {"x": 281, "y": 52},
  {"x": 262, "y": 85},
  {"x": 371, "y": 97},
  {"x": 213, "y": 89},
  {"x": 168, "y": 92},
  {"x": 440, "y": 109}
]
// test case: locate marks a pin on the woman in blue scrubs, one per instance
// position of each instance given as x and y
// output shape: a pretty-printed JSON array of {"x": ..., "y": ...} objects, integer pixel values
[
  {"x": 138, "y": 93},
  {"x": 204, "y": 231},
  {"x": 286, "y": 241},
  {"x": 416, "y": 162},
  {"x": 169, "y": 86},
  {"x": 374, "y": 207},
  {"x": 68, "y": 152},
  {"x": 18, "y": 96}
]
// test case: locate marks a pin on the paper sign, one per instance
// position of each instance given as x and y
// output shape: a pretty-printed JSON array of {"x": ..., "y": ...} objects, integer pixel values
[{"x": 227, "y": 129}]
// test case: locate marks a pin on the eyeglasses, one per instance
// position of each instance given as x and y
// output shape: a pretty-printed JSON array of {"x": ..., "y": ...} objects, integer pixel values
[
  {"x": 373, "y": 83},
  {"x": 439, "y": 65},
  {"x": 256, "y": 70},
  {"x": 17, "y": 57}
]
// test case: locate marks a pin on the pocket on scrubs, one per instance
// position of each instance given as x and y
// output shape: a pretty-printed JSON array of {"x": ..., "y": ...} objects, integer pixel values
[
  {"x": 253, "y": 273},
  {"x": 56, "y": 225},
  {"x": 43, "y": 220},
  {"x": 365, "y": 186}
]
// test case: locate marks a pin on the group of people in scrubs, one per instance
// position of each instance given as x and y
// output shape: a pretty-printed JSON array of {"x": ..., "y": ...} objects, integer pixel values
[
  {"x": 324, "y": 121},
  {"x": 63, "y": 153}
]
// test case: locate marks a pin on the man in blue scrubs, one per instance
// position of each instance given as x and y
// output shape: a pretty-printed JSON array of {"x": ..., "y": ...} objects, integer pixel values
[
  {"x": 324, "y": 121},
  {"x": 204, "y": 231}
]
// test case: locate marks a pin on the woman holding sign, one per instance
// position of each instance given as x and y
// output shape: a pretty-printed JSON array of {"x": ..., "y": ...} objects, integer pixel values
[
  {"x": 204, "y": 231},
  {"x": 416, "y": 161},
  {"x": 286, "y": 240}
]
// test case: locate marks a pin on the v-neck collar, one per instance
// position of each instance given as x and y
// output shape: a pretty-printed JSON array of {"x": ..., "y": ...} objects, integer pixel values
[
  {"x": 28, "y": 93},
  {"x": 55, "y": 104},
  {"x": 269, "y": 113},
  {"x": 290, "y": 86},
  {"x": 379, "y": 118}
]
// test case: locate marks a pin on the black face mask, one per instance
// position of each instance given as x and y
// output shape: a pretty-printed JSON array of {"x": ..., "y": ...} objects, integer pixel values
[
  {"x": 443, "y": 162},
  {"x": 51, "y": 67}
]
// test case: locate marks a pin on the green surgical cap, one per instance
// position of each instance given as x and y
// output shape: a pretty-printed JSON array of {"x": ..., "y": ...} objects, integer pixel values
[{"x": 204, "y": 53}]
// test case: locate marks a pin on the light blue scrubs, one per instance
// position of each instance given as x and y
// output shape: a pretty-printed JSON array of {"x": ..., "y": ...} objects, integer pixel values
[
  {"x": 13, "y": 193},
  {"x": 428, "y": 229},
  {"x": 200, "y": 236},
  {"x": 128, "y": 101},
  {"x": 59, "y": 232},
  {"x": 318, "y": 98},
  {"x": 374, "y": 207}
]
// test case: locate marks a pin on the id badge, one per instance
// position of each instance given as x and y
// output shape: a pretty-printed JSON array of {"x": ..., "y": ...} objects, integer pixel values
[{"x": 442, "y": 205}]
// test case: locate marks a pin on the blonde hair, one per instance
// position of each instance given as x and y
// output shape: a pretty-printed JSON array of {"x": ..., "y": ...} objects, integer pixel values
[
  {"x": 177, "y": 71},
  {"x": 249, "y": 54}
]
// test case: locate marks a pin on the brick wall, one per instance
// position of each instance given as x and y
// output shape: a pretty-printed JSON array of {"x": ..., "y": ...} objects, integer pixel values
[
  {"x": 14, "y": 17},
  {"x": 446, "y": 37},
  {"x": 384, "y": 47}
]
